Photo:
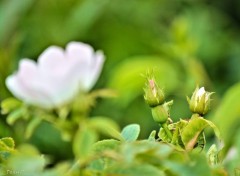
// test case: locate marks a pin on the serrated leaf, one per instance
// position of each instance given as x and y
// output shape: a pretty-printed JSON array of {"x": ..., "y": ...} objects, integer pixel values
[
  {"x": 83, "y": 142},
  {"x": 131, "y": 132},
  {"x": 8, "y": 142},
  {"x": 193, "y": 129},
  {"x": 106, "y": 126}
]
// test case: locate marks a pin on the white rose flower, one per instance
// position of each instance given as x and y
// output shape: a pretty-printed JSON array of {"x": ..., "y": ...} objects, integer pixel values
[{"x": 58, "y": 75}]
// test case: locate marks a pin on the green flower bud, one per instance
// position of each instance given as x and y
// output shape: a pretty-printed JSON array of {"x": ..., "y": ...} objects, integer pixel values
[
  {"x": 160, "y": 113},
  {"x": 200, "y": 101},
  {"x": 154, "y": 96}
]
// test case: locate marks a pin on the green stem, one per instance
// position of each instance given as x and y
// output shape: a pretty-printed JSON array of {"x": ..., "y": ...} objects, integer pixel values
[{"x": 165, "y": 127}]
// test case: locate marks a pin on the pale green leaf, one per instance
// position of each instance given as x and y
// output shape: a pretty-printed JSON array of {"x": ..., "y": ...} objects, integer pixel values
[{"x": 131, "y": 132}]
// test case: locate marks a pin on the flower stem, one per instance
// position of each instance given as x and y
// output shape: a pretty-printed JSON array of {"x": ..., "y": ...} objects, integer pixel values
[{"x": 165, "y": 127}]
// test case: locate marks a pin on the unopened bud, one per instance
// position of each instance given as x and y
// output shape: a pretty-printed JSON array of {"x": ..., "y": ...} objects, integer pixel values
[
  {"x": 154, "y": 96},
  {"x": 200, "y": 101}
]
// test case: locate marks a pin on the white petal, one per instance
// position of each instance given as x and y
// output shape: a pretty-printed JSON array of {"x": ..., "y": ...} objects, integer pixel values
[
  {"x": 80, "y": 52},
  {"x": 200, "y": 92},
  {"x": 94, "y": 71},
  {"x": 26, "y": 85},
  {"x": 17, "y": 89},
  {"x": 52, "y": 60}
]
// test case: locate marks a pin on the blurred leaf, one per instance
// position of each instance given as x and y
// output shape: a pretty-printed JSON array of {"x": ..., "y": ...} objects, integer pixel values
[
  {"x": 9, "y": 105},
  {"x": 83, "y": 142},
  {"x": 197, "y": 165},
  {"x": 127, "y": 77},
  {"x": 134, "y": 150},
  {"x": 228, "y": 113},
  {"x": 100, "y": 149},
  {"x": 15, "y": 115},
  {"x": 107, "y": 144},
  {"x": 31, "y": 126},
  {"x": 106, "y": 126},
  {"x": 10, "y": 12},
  {"x": 134, "y": 170},
  {"x": 131, "y": 132},
  {"x": 27, "y": 161},
  {"x": 83, "y": 16}
]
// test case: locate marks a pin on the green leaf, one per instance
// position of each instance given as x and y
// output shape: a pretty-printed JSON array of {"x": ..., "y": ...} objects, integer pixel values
[
  {"x": 131, "y": 132},
  {"x": 134, "y": 170},
  {"x": 9, "y": 105},
  {"x": 100, "y": 148},
  {"x": 105, "y": 126},
  {"x": 191, "y": 132},
  {"x": 8, "y": 142},
  {"x": 107, "y": 144},
  {"x": 27, "y": 160},
  {"x": 197, "y": 165},
  {"x": 83, "y": 142},
  {"x": 148, "y": 150},
  {"x": 228, "y": 113}
]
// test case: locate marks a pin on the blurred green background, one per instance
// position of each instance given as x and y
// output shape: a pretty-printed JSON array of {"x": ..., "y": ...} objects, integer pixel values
[{"x": 186, "y": 43}]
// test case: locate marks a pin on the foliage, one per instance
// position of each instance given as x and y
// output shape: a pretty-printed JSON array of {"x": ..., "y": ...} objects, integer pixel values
[{"x": 186, "y": 43}]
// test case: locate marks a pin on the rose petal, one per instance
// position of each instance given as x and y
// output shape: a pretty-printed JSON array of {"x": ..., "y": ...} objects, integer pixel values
[
  {"x": 26, "y": 84},
  {"x": 80, "y": 52},
  {"x": 52, "y": 61},
  {"x": 94, "y": 71}
]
